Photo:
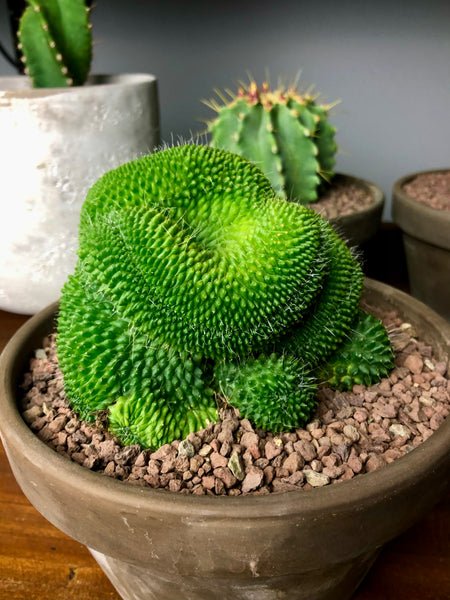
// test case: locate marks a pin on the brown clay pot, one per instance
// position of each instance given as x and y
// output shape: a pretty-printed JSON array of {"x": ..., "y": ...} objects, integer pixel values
[
  {"x": 154, "y": 544},
  {"x": 426, "y": 238},
  {"x": 360, "y": 226}
]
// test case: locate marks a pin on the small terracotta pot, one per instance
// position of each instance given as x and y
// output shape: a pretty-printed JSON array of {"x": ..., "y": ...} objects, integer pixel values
[
  {"x": 426, "y": 238},
  {"x": 362, "y": 225},
  {"x": 154, "y": 544}
]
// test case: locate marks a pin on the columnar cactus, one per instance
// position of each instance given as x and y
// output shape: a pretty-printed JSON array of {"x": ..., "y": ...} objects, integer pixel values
[
  {"x": 197, "y": 285},
  {"x": 286, "y": 134},
  {"x": 55, "y": 41}
]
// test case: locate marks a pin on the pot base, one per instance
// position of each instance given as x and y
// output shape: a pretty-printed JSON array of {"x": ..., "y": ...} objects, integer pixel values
[{"x": 336, "y": 582}]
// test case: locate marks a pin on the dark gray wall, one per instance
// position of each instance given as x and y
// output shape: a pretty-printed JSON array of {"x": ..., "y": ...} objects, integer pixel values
[{"x": 387, "y": 61}]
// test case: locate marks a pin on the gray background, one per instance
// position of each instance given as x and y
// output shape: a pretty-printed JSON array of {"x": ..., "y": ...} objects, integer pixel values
[{"x": 388, "y": 62}]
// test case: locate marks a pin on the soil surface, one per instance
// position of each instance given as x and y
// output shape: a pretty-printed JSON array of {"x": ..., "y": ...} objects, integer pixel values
[
  {"x": 342, "y": 198},
  {"x": 432, "y": 189},
  {"x": 352, "y": 432}
]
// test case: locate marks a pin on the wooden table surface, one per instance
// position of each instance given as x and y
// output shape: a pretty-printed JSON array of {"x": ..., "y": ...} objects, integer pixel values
[{"x": 38, "y": 562}]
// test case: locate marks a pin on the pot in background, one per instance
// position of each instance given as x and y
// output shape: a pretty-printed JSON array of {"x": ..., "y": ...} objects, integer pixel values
[
  {"x": 154, "y": 544},
  {"x": 426, "y": 238},
  {"x": 362, "y": 225},
  {"x": 54, "y": 144}
]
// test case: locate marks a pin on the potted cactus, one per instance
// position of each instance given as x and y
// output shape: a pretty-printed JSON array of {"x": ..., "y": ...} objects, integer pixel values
[
  {"x": 289, "y": 136},
  {"x": 421, "y": 208},
  {"x": 61, "y": 129},
  {"x": 196, "y": 287}
]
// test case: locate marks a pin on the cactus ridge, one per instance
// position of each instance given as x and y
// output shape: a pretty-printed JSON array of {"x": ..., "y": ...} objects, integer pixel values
[
  {"x": 286, "y": 134},
  {"x": 55, "y": 41},
  {"x": 191, "y": 273}
]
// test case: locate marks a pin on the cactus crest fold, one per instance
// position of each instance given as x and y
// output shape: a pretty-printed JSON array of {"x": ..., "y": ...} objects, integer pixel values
[{"x": 196, "y": 285}]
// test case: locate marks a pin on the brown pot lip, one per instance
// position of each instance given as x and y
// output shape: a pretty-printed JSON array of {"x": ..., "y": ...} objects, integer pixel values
[
  {"x": 19, "y": 86},
  {"x": 400, "y": 195},
  {"x": 364, "y": 489}
]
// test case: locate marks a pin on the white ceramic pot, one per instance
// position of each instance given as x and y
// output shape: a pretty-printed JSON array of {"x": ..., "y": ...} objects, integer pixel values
[{"x": 54, "y": 144}]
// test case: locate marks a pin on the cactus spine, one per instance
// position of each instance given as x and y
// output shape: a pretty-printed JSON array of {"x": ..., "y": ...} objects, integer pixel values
[
  {"x": 286, "y": 134},
  {"x": 55, "y": 41}
]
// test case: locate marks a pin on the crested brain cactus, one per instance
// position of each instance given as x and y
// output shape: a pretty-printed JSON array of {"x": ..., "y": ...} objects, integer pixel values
[
  {"x": 55, "y": 41},
  {"x": 196, "y": 285},
  {"x": 285, "y": 133}
]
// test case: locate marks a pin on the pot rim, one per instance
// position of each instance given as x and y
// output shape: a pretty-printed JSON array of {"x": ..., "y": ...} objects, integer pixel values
[
  {"x": 19, "y": 86},
  {"x": 418, "y": 219},
  {"x": 364, "y": 489}
]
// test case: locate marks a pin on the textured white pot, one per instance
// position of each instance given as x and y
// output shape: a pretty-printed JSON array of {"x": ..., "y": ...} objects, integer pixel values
[{"x": 54, "y": 144}]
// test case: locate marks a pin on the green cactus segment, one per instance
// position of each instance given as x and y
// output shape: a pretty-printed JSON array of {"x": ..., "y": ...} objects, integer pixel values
[
  {"x": 55, "y": 40},
  {"x": 189, "y": 268},
  {"x": 274, "y": 392},
  {"x": 187, "y": 259},
  {"x": 364, "y": 357},
  {"x": 225, "y": 130},
  {"x": 109, "y": 362},
  {"x": 286, "y": 134},
  {"x": 326, "y": 324},
  {"x": 257, "y": 144},
  {"x": 293, "y": 141},
  {"x": 324, "y": 134}
]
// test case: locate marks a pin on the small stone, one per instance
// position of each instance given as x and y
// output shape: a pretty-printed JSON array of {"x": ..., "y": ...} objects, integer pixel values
[
  {"x": 294, "y": 462},
  {"x": 205, "y": 450},
  {"x": 186, "y": 448},
  {"x": 32, "y": 413},
  {"x": 252, "y": 480},
  {"x": 236, "y": 466},
  {"x": 273, "y": 448},
  {"x": 351, "y": 433},
  {"x": 226, "y": 476},
  {"x": 316, "y": 479},
  {"x": 249, "y": 438},
  {"x": 217, "y": 460},
  {"x": 401, "y": 430},
  {"x": 436, "y": 421},
  {"x": 375, "y": 461},
  {"x": 306, "y": 449},
  {"x": 208, "y": 482},
  {"x": 414, "y": 363}
]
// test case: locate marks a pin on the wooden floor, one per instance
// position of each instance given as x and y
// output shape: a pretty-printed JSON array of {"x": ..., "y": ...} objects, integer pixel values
[{"x": 38, "y": 562}]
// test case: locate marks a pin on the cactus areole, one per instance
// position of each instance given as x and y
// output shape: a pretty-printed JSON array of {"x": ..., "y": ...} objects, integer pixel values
[
  {"x": 285, "y": 133},
  {"x": 55, "y": 42},
  {"x": 197, "y": 286}
]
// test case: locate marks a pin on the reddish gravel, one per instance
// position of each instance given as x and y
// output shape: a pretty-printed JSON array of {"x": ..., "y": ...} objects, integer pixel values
[
  {"x": 342, "y": 198},
  {"x": 352, "y": 432},
  {"x": 432, "y": 189}
]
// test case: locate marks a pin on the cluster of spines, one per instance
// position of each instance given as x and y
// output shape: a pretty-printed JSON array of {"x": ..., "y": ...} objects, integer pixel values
[
  {"x": 194, "y": 282},
  {"x": 285, "y": 133},
  {"x": 55, "y": 42}
]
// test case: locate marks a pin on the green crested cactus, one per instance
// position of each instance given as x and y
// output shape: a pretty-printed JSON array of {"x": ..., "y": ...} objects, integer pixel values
[
  {"x": 55, "y": 41},
  {"x": 285, "y": 133},
  {"x": 196, "y": 285}
]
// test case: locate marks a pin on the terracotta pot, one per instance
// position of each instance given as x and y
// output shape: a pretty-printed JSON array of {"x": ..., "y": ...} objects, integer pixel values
[
  {"x": 154, "y": 544},
  {"x": 426, "y": 238},
  {"x": 54, "y": 144},
  {"x": 360, "y": 226}
]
